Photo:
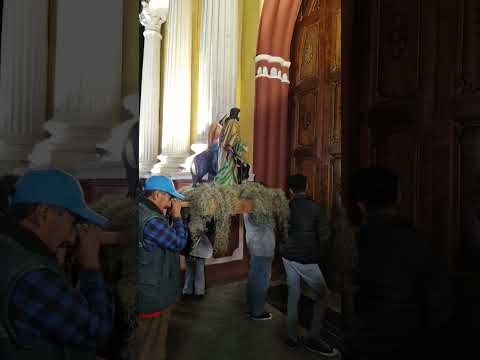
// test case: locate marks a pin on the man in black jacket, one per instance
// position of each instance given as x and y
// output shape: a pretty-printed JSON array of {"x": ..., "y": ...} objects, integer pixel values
[
  {"x": 301, "y": 253},
  {"x": 403, "y": 306}
]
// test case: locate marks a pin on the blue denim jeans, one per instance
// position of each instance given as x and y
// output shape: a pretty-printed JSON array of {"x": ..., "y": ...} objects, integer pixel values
[
  {"x": 312, "y": 275},
  {"x": 258, "y": 283},
  {"x": 194, "y": 276}
]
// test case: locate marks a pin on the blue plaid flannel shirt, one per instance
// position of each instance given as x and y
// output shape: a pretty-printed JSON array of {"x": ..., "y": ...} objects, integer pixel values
[
  {"x": 157, "y": 233},
  {"x": 43, "y": 305}
]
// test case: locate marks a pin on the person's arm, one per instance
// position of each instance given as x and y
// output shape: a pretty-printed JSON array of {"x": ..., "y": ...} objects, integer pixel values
[
  {"x": 43, "y": 303},
  {"x": 158, "y": 234}
]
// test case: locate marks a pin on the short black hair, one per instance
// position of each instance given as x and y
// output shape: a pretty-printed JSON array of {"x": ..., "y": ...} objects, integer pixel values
[
  {"x": 376, "y": 188},
  {"x": 297, "y": 183},
  {"x": 148, "y": 193},
  {"x": 19, "y": 212}
]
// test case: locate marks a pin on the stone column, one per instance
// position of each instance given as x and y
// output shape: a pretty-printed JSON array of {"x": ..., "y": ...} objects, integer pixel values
[
  {"x": 218, "y": 62},
  {"x": 177, "y": 89},
  {"x": 23, "y": 80},
  {"x": 153, "y": 15},
  {"x": 88, "y": 80}
]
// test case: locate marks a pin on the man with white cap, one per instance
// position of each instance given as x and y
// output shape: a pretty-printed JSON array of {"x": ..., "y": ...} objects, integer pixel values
[
  {"x": 40, "y": 315},
  {"x": 158, "y": 264}
]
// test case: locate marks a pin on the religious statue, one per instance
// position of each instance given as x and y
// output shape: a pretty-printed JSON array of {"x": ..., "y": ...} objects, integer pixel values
[{"x": 231, "y": 169}]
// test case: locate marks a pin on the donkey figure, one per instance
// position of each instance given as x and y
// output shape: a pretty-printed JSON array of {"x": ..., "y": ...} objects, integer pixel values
[{"x": 205, "y": 163}]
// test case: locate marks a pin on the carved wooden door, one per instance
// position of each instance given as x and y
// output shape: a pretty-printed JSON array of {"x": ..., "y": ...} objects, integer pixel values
[
  {"x": 315, "y": 130},
  {"x": 413, "y": 105},
  {"x": 416, "y": 110},
  {"x": 315, "y": 119}
]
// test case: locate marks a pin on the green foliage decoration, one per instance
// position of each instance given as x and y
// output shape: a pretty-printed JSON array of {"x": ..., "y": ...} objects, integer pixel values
[
  {"x": 207, "y": 202},
  {"x": 118, "y": 209},
  {"x": 119, "y": 262},
  {"x": 219, "y": 203}
]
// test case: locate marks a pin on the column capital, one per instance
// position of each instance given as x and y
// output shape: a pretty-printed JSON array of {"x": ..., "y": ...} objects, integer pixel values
[{"x": 154, "y": 14}]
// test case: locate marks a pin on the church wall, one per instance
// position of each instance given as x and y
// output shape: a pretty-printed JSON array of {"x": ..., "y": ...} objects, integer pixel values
[
  {"x": 130, "y": 61},
  {"x": 196, "y": 18},
  {"x": 130, "y": 48},
  {"x": 51, "y": 55},
  {"x": 250, "y": 23}
]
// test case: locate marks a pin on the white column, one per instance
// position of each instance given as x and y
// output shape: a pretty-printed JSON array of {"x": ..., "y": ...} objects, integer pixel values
[
  {"x": 153, "y": 15},
  {"x": 23, "y": 79},
  {"x": 177, "y": 89},
  {"x": 218, "y": 62},
  {"x": 88, "y": 80}
]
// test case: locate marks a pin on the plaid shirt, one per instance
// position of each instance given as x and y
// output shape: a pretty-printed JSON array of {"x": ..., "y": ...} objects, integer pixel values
[
  {"x": 43, "y": 305},
  {"x": 157, "y": 233}
]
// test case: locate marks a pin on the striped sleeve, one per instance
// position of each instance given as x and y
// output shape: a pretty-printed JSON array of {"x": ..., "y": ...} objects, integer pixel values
[
  {"x": 44, "y": 305},
  {"x": 157, "y": 233}
]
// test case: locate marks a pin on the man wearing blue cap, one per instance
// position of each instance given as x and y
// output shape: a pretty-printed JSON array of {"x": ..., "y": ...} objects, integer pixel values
[
  {"x": 158, "y": 264},
  {"x": 40, "y": 315}
]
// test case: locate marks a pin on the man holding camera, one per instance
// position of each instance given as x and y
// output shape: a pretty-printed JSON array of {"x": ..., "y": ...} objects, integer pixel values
[
  {"x": 41, "y": 316},
  {"x": 158, "y": 264}
]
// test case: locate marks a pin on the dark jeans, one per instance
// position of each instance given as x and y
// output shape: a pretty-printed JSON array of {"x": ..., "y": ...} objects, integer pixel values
[{"x": 258, "y": 283}]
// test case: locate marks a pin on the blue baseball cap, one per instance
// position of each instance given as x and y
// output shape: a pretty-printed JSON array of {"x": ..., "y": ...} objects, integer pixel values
[
  {"x": 163, "y": 184},
  {"x": 58, "y": 188}
]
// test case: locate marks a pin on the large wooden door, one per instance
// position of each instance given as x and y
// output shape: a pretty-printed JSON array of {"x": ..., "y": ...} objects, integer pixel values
[
  {"x": 315, "y": 121},
  {"x": 412, "y": 80},
  {"x": 417, "y": 111},
  {"x": 314, "y": 111}
]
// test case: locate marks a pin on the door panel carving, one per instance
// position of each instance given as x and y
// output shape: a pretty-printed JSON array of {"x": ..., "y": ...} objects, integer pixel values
[
  {"x": 469, "y": 47},
  {"x": 309, "y": 59},
  {"x": 305, "y": 123},
  {"x": 399, "y": 54}
]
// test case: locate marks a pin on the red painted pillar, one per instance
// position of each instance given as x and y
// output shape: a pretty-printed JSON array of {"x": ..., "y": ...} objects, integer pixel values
[{"x": 272, "y": 84}]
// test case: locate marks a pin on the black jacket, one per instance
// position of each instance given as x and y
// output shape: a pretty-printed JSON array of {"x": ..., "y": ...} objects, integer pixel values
[
  {"x": 308, "y": 232},
  {"x": 404, "y": 295}
]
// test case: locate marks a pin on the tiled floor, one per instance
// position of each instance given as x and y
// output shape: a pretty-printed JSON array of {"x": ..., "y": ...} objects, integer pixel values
[{"x": 216, "y": 328}]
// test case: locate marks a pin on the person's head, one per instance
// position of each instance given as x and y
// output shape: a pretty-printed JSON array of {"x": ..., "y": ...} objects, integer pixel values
[
  {"x": 375, "y": 189},
  {"x": 50, "y": 203},
  {"x": 160, "y": 190},
  {"x": 297, "y": 184},
  {"x": 234, "y": 112}
]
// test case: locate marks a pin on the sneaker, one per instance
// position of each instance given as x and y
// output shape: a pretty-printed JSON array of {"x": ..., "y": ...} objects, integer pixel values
[
  {"x": 264, "y": 316},
  {"x": 319, "y": 347},
  {"x": 292, "y": 344}
]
